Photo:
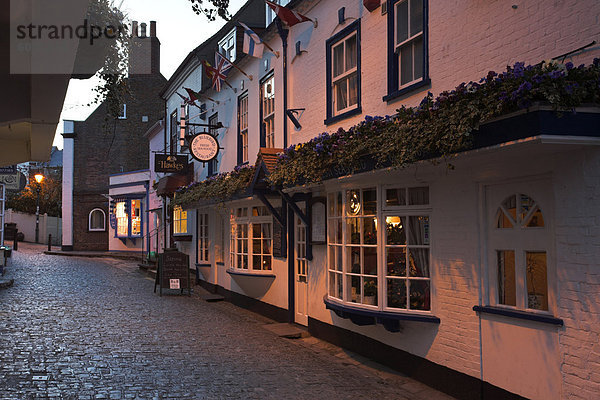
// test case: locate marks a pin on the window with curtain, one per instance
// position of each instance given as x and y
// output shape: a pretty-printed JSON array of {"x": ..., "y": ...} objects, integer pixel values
[
  {"x": 243, "y": 128},
  {"x": 267, "y": 109},
  {"x": 343, "y": 72},
  {"x": 251, "y": 239},
  {"x": 179, "y": 221},
  {"x": 407, "y": 46},
  {"x": 380, "y": 266}
]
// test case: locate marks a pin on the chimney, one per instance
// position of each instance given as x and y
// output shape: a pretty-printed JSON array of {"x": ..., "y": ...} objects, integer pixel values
[
  {"x": 134, "y": 29},
  {"x": 144, "y": 55}
]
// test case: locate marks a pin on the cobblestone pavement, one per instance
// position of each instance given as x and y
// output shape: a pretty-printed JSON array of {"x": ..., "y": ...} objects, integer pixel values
[{"x": 77, "y": 328}]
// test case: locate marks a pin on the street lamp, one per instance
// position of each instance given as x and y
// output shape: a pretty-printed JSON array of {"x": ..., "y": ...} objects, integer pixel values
[{"x": 38, "y": 178}]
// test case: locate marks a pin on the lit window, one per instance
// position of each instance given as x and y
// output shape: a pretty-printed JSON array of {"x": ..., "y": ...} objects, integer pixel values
[
  {"x": 400, "y": 280},
  {"x": 343, "y": 73},
  {"x": 251, "y": 239},
  {"x": 407, "y": 61},
  {"x": 179, "y": 220},
  {"x": 97, "y": 220},
  {"x": 136, "y": 217},
  {"x": 519, "y": 256},
  {"x": 129, "y": 218},
  {"x": 267, "y": 95},
  {"x": 122, "y": 218}
]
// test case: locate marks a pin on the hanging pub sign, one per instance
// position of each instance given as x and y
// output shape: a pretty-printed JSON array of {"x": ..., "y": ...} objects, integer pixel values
[
  {"x": 170, "y": 163},
  {"x": 204, "y": 147}
]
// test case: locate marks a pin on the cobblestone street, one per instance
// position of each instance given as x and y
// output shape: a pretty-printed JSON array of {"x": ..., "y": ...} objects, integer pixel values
[{"x": 78, "y": 328}]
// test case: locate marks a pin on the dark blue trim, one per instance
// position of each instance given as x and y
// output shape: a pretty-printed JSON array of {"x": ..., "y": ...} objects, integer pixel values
[
  {"x": 203, "y": 265},
  {"x": 263, "y": 134},
  {"x": 252, "y": 274},
  {"x": 393, "y": 67},
  {"x": 529, "y": 316},
  {"x": 390, "y": 320},
  {"x": 330, "y": 118},
  {"x": 240, "y": 153},
  {"x": 128, "y": 212},
  {"x": 130, "y": 172},
  {"x": 406, "y": 91},
  {"x": 120, "y": 185}
]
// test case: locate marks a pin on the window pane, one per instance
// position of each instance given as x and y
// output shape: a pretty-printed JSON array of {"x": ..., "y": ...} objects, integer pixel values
[
  {"x": 418, "y": 57},
  {"x": 355, "y": 289},
  {"x": 370, "y": 291},
  {"x": 370, "y": 230},
  {"x": 339, "y": 204},
  {"x": 395, "y": 197},
  {"x": 527, "y": 204},
  {"x": 354, "y": 230},
  {"x": 353, "y": 90},
  {"x": 341, "y": 94},
  {"x": 419, "y": 262},
  {"x": 97, "y": 220},
  {"x": 502, "y": 221},
  {"x": 395, "y": 230},
  {"x": 402, "y": 22},
  {"x": 267, "y": 263},
  {"x": 418, "y": 230},
  {"x": 396, "y": 293},
  {"x": 354, "y": 260},
  {"x": 418, "y": 196},
  {"x": 266, "y": 246},
  {"x": 353, "y": 206},
  {"x": 396, "y": 261},
  {"x": 370, "y": 260},
  {"x": 536, "y": 220},
  {"x": 537, "y": 281},
  {"x": 340, "y": 266},
  {"x": 406, "y": 64},
  {"x": 506, "y": 278},
  {"x": 338, "y": 60},
  {"x": 256, "y": 246},
  {"x": 419, "y": 295},
  {"x": 351, "y": 55},
  {"x": 370, "y": 202},
  {"x": 256, "y": 263},
  {"x": 510, "y": 204},
  {"x": 332, "y": 286},
  {"x": 416, "y": 16}
]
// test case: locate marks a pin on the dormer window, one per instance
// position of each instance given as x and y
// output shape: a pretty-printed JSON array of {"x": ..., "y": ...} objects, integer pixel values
[
  {"x": 270, "y": 13},
  {"x": 227, "y": 46}
]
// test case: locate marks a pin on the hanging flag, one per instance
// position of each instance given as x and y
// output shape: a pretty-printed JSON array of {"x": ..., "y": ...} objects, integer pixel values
[
  {"x": 253, "y": 46},
  {"x": 220, "y": 71},
  {"x": 290, "y": 17},
  {"x": 193, "y": 96}
]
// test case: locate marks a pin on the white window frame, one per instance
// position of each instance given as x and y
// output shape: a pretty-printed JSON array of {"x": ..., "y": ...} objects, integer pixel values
[
  {"x": 180, "y": 215},
  {"x": 381, "y": 213},
  {"x": 103, "y": 229},
  {"x": 239, "y": 219},
  {"x": 123, "y": 112},
  {"x": 202, "y": 239},
  {"x": 243, "y": 125},
  {"x": 267, "y": 117},
  {"x": 227, "y": 45},
  {"x": 410, "y": 39},
  {"x": 343, "y": 75}
]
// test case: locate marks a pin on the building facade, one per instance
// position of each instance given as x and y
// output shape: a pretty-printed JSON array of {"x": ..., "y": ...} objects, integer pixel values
[
  {"x": 95, "y": 149},
  {"x": 480, "y": 280}
]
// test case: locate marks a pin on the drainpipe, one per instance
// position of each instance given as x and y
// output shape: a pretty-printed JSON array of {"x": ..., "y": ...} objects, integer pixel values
[{"x": 284, "y": 36}]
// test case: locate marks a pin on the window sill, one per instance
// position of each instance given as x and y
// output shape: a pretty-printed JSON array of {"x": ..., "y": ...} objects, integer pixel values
[
  {"x": 525, "y": 315},
  {"x": 389, "y": 320},
  {"x": 182, "y": 238},
  {"x": 347, "y": 114},
  {"x": 408, "y": 89},
  {"x": 252, "y": 274}
]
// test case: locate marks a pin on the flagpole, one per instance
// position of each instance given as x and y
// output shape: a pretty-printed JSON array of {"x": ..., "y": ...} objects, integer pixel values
[
  {"x": 270, "y": 48},
  {"x": 236, "y": 67}
]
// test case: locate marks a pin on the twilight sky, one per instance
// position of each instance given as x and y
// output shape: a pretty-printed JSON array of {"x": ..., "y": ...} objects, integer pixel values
[{"x": 179, "y": 29}]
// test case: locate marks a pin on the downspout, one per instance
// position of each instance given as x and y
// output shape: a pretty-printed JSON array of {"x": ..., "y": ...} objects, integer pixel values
[{"x": 284, "y": 36}]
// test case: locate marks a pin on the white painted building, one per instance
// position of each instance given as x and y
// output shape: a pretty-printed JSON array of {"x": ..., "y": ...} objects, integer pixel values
[{"x": 484, "y": 282}]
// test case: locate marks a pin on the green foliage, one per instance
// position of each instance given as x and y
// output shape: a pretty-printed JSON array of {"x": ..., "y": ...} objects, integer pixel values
[
  {"x": 438, "y": 127},
  {"x": 50, "y": 197},
  {"x": 221, "y": 187}
]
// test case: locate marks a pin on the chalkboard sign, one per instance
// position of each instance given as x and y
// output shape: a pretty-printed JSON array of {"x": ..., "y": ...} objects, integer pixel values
[
  {"x": 173, "y": 271},
  {"x": 279, "y": 237}
]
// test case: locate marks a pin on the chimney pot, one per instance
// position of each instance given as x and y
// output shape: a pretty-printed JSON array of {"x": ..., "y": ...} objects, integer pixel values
[
  {"x": 143, "y": 30},
  {"x": 152, "y": 28},
  {"x": 134, "y": 29}
]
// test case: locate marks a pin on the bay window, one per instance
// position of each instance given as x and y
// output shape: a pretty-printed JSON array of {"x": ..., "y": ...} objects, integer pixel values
[
  {"x": 251, "y": 239},
  {"x": 378, "y": 266},
  {"x": 343, "y": 73}
]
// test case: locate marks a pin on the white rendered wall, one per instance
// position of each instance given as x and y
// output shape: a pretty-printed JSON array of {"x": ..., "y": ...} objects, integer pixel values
[{"x": 67, "y": 186}]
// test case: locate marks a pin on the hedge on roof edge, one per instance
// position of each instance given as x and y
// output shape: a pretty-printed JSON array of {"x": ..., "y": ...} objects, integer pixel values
[{"x": 437, "y": 128}]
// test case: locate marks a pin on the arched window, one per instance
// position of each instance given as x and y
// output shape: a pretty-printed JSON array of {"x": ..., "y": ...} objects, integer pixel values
[
  {"x": 519, "y": 254},
  {"x": 97, "y": 220}
]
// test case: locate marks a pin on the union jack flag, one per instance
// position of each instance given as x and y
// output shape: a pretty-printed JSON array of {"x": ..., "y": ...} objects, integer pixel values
[{"x": 220, "y": 71}]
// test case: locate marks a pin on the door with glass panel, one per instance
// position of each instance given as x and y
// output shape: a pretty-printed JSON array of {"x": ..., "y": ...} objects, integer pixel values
[{"x": 301, "y": 272}]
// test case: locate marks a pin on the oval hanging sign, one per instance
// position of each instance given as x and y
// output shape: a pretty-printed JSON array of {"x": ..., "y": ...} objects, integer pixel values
[{"x": 204, "y": 147}]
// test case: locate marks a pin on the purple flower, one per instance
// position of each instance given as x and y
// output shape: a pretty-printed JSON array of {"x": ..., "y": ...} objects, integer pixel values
[
  {"x": 556, "y": 74},
  {"x": 569, "y": 65}
]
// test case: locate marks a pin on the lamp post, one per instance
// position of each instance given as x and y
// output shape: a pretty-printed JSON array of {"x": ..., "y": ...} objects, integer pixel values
[{"x": 38, "y": 178}]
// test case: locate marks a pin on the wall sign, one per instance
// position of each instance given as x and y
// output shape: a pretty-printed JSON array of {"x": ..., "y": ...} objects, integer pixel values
[
  {"x": 173, "y": 271},
  {"x": 204, "y": 147},
  {"x": 113, "y": 221},
  {"x": 169, "y": 163},
  {"x": 318, "y": 214}
]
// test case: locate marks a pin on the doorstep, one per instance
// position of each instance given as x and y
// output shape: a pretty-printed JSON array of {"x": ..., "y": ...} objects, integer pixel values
[{"x": 286, "y": 330}]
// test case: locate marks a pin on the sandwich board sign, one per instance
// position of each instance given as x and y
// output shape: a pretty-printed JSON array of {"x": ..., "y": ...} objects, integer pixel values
[{"x": 173, "y": 272}]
